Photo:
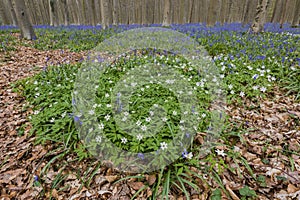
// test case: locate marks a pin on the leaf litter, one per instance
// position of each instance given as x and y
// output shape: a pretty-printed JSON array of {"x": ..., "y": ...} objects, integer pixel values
[{"x": 274, "y": 132}]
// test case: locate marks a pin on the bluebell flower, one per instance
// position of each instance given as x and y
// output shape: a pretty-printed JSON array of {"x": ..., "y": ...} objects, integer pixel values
[
  {"x": 35, "y": 178},
  {"x": 141, "y": 156}
]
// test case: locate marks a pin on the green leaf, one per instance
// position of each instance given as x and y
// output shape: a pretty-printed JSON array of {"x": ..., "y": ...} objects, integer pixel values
[
  {"x": 247, "y": 192},
  {"x": 216, "y": 194}
]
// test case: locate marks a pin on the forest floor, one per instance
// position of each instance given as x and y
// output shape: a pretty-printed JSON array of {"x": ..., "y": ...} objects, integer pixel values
[{"x": 272, "y": 121}]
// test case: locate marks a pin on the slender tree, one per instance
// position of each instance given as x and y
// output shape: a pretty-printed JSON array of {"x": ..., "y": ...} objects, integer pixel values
[
  {"x": 260, "y": 18},
  {"x": 296, "y": 17},
  {"x": 53, "y": 12},
  {"x": 24, "y": 23},
  {"x": 12, "y": 12},
  {"x": 167, "y": 10},
  {"x": 104, "y": 14}
]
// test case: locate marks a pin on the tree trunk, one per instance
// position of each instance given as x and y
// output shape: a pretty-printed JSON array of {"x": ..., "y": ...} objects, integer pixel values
[
  {"x": 213, "y": 12},
  {"x": 296, "y": 17},
  {"x": 167, "y": 16},
  {"x": 104, "y": 14},
  {"x": 24, "y": 23},
  {"x": 12, "y": 12},
  {"x": 144, "y": 12},
  {"x": 53, "y": 12},
  {"x": 66, "y": 12},
  {"x": 283, "y": 15},
  {"x": 115, "y": 12},
  {"x": 260, "y": 17}
]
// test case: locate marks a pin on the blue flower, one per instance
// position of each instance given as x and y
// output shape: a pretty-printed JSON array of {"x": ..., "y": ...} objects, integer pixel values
[{"x": 141, "y": 156}]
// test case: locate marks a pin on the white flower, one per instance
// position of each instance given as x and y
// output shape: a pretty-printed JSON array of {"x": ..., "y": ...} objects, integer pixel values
[
  {"x": 242, "y": 94},
  {"x": 35, "y": 82},
  {"x": 106, "y": 95},
  {"x": 95, "y": 105},
  {"x": 36, "y": 112},
  {"x": 124, "y": 119},
  {"x": 203, "y": 115},
  {"x": 101, "y": 126},
  {"x": 164, "y": 119},
  {"x": 98, "y": 139},
  {"x": 126, "y": 114},
  {"x": 151, "y": 113},
  {"x": 107, "y": 117},
  {"x": 189, "y": 155},
  {"x": 63, "y": 115},
  {"x": 220, "y": 152},
  {"x": 52, "y": 120},
  {"x": 133, "y": 84},
  {"x": 249, "y": 67},
  {"x": 138, "y": 123},
  {"x": 255, "y": 87},
  {"x": 263, "y": 89},
  {"x": 186, "y": 112},
  {"x": 174, "y": 112},
  {"x": 108, "y": 105},
  {"x": 230, "y": 86},
  {"x": 124, "y": 140},
  {"x": 144, "y": 128},
  {"x": 139, "y": 137},
  {"x": 97, "y": 86},
  {"x": 222, "y": 76},
  {"x": 148, "y": 119},
  {"x": 91, "y": 112},
  {"x": 232, "y": 92},
  {"x": 163, "y": 145}
]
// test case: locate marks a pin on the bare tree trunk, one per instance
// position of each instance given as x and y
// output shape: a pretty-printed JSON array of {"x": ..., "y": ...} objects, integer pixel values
[
  {"x": 260, "y": 17},
  {"x": 12, "y": 12},
  {"x": 150, "y": 11},
  {"x": 115, "y": 12},
  {"x": 131, "y": 11},
  {"x": 167, "y": 10},
  {"x": 190, "y": 11},
  {"x": 24, "y": 23},
  {"x": 282, "y": 17},
  {"x": 66, "y": 12},
  {"x": 53, "y": 13},
  {"x": 203, "y": 10},
  {"x": 296, "y": 17},
  {"x": 104, "y": 14},
  {"x": 144, "y": 13},
  {"x": 213, "y": 12}
]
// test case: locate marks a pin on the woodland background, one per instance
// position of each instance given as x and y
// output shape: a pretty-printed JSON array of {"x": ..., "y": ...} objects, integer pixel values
[{"x": 114, "y": 12}]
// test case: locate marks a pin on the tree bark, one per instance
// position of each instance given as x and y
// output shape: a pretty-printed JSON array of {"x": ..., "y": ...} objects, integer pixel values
[
  {"x": 104, "y": 14},
  {"x": 24, "y": 23},
  {"x": 260, "y": 17},
  {"x": 53, "y": 12},
  {"x": 66, "y": 12},
  {"x": 115, "y": 12},
  {"x": 12, "y": 12},
  {"x": 167, "y": 10},
  {"x": 296, "y": 17}
]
